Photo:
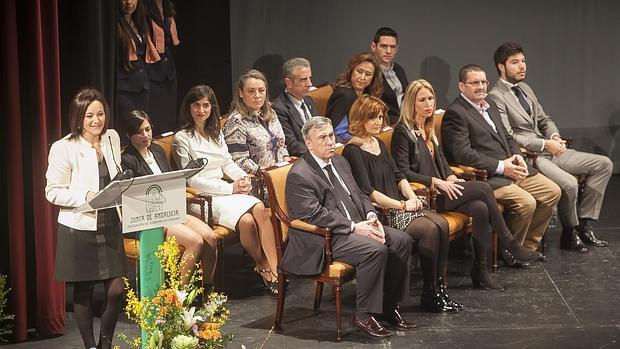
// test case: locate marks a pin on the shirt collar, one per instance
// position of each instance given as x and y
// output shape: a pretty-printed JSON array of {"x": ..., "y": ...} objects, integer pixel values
[
  {"x": 482, "y": 108},
  {"x": 507, "y": 83},
  {"x": 296, "y": 102},
  {"x": 388, "y": 69},
  {"x": 320, "y": 161}
]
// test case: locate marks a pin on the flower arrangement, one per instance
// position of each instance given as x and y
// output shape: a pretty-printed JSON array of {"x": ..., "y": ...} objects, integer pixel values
[
  {"x": 4, "y": 292},
  {"x": 169, "y": 319}
]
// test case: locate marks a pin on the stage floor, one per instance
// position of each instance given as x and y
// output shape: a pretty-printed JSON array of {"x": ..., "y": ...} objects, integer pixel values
[{"x": 571, "y": 301}]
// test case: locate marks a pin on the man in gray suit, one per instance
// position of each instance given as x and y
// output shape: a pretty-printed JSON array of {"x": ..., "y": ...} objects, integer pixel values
[
  {"x": 293, "y": 106},
  {"x": 321, "y": 190},
  {"x": 525, "y": 119}
]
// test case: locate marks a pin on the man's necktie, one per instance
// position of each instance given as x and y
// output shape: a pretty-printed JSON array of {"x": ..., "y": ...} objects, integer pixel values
[
  {"x": 306, "y": 115},
  {"x": 522, "y": 100},
  {"x": 343, "y": 196}
]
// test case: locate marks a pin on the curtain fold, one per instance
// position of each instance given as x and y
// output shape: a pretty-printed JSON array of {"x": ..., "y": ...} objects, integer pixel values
[{"x": 31, "y": 105}]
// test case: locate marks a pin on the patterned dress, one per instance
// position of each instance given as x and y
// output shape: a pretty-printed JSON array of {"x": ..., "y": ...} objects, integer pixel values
[{"x": 254, "y": 143}]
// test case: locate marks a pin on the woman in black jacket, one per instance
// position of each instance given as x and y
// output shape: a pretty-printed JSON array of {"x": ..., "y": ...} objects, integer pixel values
[
  {"x": 419, "y": 156},
  {"x": 145, "y": 158}
]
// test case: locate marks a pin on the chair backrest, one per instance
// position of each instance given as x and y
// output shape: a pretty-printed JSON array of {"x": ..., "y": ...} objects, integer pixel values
[
  {"x": 222, "y": 120},
  {"x": 275, "y": 180},
  {"x": 320, "y": 96},
  {"x": 166, "y": 144},
  {"x": 386, "y": 137},
  {"x": 438, "y": 119}
]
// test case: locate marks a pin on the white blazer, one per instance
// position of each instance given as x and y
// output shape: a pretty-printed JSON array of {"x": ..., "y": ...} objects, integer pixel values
[
  {"x": 72, "y": 171},
  {"x": 220, "y": 163}
]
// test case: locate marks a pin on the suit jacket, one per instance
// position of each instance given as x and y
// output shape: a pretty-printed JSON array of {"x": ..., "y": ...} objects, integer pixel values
[
  {"x": 528, "y": 131},
  {"x": 72, "y": 171},
  {"x": 133, "y": 160},
  {"x": 406, "y": 154},
  {"x": 312, "y": 199},
  {"x": 389, "y": 97},
  {"x": 469, "y": 140},
  {"x": 339, "y": 104},
  {"x": 292, "y": 122}
]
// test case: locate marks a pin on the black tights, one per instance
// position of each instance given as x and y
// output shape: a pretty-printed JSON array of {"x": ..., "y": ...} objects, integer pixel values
[
  {"x": 431, "y": 235},
  {"x": 478, "y": 202},
  {"x": 83, "y": 310}
]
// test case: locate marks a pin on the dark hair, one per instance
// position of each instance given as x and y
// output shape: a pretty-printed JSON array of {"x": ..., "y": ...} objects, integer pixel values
[
  {"x": 123, "y": 32},
  {"x": 504, "y": 51},
  {"x": 385, "y": 31},
  {"x": 134, "y": 120},
  {"x": 466, "y": 69},
  {"x": 376, "y": 84},
  {"x": 212, "y": 125},
  {"x": 77, "y": 110}
]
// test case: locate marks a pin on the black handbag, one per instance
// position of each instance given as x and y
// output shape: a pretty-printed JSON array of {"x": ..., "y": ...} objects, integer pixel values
[{"x": 398, "y": 219}]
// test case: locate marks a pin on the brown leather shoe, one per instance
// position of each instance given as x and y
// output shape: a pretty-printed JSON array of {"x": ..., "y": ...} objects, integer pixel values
[
  {"x": 370, "y": 328},
  {"x": 395, "y": 320}
]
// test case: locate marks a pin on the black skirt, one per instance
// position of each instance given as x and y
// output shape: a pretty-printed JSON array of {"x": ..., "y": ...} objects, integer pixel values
[{"x": 85, "y": 255}]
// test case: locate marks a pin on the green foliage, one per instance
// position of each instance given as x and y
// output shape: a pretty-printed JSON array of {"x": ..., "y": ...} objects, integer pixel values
[{"x": 5, "y": 324}]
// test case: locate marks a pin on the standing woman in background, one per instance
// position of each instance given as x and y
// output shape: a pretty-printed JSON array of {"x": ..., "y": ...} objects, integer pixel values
[
  {"x": 163, "y": 74},
  {"x": 90, "y": 246},
  {"x": 134, "y": 50}
]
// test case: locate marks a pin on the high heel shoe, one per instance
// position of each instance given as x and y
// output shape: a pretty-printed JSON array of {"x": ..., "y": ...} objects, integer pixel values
[
  {"x": 272, "y": 285},
  {"x": 480, "y": 276}
]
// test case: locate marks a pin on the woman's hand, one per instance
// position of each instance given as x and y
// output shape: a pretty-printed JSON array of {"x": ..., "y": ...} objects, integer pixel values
[
  {"x": 413, "y": 204},
  {"x": 242, "y": 185},
  {"x": 89, "y": 195},
  {"x": 449, "y": 187},
  {"x": 454, "y": 178}
]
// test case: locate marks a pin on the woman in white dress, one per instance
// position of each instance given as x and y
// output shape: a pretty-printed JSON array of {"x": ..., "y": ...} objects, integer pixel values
[{"x": 200, "y": 137}]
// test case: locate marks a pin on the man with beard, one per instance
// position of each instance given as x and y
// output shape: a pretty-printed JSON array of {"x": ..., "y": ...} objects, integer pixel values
[{"x": 525, "y": 120}]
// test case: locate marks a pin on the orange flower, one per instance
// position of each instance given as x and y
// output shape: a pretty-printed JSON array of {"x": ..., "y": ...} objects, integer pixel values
[{"x": 162, "y": 310}]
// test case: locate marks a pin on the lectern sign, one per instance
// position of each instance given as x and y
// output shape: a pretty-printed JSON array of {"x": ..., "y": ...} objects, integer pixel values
[{"x": 151, "y": 205}]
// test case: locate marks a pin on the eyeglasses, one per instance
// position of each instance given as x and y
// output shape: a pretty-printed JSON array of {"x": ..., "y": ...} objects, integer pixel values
[{"x": 476, "y": 83}]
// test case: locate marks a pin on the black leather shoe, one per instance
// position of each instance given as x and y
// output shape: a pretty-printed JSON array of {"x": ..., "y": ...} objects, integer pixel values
[
  {"x": 433, "y": 301},
  {"x": 371, "y": 328},
  {"x": 540, "y": 257},
  {"x": 395, "y": 320},
  {"x": 571, "y": 242},
  {"x": 511, "y": 261},
  {"x": 521, "y": 253},
  {"x": 587, "y": 236}
]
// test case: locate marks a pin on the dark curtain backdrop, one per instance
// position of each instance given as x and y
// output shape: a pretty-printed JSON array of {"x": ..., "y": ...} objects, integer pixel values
[
  {"x": 571, "y": 46},
  {"x": 31, "y": 107}
]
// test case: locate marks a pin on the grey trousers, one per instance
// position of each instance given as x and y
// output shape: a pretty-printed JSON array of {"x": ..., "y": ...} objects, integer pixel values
[{"x": 561, "y": 170}]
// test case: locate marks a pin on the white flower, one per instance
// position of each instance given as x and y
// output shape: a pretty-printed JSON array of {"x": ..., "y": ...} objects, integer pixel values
[
  {"x": 184, "y": 342},
  {"x": 189, "y": 319},
  {"x": 181, "y": 295}
]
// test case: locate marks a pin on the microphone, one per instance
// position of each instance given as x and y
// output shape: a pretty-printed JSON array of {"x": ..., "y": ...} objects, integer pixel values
[
  {"x": 120, "y": 174},
  {"x": 193, "y": 163}
]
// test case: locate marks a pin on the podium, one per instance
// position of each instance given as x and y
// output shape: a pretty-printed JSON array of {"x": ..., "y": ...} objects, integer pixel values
[{"x": 149, "y": 203}]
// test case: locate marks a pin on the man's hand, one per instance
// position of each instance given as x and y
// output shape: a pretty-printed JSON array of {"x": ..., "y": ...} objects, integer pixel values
[
  {"x": 556, "y": 146},
  {"x": 515, "y": 168},
  {"x": 371, "y": 228}
]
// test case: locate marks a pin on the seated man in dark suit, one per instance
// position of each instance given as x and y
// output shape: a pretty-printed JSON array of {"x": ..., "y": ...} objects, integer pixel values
[
  {"x": 473, "y": 135},
  {"x": 293, "y": 106},
  {"x": 525, "y": 119},
  {"x": 385, "y": 47},
  {"x": 321, "y": 190}
]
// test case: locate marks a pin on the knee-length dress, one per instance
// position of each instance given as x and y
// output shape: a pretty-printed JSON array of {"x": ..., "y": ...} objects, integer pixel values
[{"x": 227, "y": 207}]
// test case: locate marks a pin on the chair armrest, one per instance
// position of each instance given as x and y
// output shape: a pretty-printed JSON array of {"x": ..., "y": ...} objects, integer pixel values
[
  {"x": 309, "y": 228},
  {"x": 205, "y": 201},
  {"x": 480, "y": 175},
  {"x": 460, "y": 173}
]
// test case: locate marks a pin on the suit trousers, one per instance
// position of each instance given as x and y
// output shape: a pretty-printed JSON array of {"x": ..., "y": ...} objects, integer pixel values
[
  {"x": 562, "y": 170},
  {"x": 382, "y": 270},
  {"x": 528, "y": 207}
]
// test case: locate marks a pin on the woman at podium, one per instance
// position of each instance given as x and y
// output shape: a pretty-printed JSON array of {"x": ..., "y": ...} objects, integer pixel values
[
  {"x": 89, "y": 245},
  {"x": 146, "y": 158},
  {"x": 200, "y": 137}
]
